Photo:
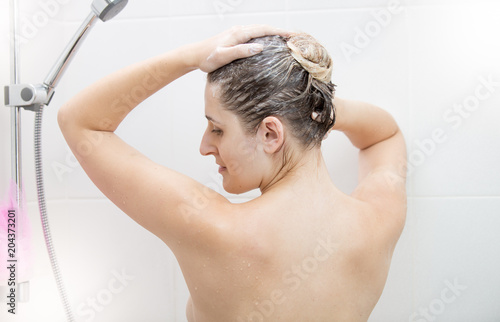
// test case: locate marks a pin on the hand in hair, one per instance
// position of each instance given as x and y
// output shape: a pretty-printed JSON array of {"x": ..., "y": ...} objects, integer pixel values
[{"x": 231, "y": 44}]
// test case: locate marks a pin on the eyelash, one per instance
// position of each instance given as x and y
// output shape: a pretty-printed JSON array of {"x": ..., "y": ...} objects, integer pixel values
[{"x": 217, "y": 132}]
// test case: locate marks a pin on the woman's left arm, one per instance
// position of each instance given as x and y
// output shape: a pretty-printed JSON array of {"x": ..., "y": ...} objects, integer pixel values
[{"x": 160, "y": 199}]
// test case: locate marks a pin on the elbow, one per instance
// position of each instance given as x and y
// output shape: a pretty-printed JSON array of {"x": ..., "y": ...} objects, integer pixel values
[
  {"x": 67, "y": 121},
  {"x": 63, "y": 118}
]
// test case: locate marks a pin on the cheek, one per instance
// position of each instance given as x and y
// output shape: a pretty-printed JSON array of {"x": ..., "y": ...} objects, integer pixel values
[{"x": 241, "y": 156}]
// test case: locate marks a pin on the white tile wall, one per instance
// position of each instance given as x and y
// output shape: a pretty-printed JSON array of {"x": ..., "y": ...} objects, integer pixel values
[
  {"x": 418, "y": 61},
  {"x": 459, "y": 58},
  {"x": 446, "y": 240}
]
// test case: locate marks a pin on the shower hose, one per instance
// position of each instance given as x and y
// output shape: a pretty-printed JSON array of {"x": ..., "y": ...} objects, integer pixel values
[{"x": 43, "y": 215}]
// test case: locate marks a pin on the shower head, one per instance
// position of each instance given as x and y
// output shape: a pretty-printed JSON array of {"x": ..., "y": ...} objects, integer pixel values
[
  {"x": 102, "y": 9},
  {"x": 28, "y": 95},
  {"x": 108, "y": 9}
]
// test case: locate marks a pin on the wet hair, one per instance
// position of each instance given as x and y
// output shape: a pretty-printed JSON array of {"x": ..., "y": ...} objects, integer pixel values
[{"x": 290, "y": 79}]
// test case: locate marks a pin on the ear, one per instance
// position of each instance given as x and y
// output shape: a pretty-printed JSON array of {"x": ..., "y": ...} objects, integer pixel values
[{"x": 271, "y": 134}]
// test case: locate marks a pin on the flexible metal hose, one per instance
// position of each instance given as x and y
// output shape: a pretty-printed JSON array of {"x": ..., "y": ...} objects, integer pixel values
[{"x": 43, "y": 215}]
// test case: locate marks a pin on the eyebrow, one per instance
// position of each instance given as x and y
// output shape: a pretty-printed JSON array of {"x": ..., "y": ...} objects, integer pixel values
[{"x": 212, "y": 120}]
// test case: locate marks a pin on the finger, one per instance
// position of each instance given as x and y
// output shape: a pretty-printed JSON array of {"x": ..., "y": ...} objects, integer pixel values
[
  {"x": 228, "y": 54},
  {"x": 247, "y": 50},
  {"x": 245, "y": 33}
]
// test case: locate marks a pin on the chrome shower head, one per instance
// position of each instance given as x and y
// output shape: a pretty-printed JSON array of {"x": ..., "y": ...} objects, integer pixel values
[
  {"x": 32, "y": 96},
  {"x": 108, "y": 9},
  {"x": 102, "y": 9}
]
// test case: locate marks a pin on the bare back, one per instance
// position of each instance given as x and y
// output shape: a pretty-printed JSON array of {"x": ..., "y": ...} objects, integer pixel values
[{"x": 291, "y": 256}]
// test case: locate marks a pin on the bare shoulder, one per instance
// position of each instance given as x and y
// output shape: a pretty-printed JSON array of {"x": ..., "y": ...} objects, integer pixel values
[{"x": 221, "y": 231}]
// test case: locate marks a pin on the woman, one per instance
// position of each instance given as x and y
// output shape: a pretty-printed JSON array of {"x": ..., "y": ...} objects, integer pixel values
[{"x": 303, "y": 250}]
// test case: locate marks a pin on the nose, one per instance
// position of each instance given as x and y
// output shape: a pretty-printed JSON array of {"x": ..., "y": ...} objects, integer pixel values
[{"x": 207, "y": 147}]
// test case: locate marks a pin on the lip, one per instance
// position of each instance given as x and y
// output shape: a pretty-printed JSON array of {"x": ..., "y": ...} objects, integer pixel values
[{"x": 222, "y": 169}]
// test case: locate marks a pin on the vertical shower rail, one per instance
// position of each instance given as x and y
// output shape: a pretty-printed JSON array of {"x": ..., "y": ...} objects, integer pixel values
[{"x": 21, "y": 289}]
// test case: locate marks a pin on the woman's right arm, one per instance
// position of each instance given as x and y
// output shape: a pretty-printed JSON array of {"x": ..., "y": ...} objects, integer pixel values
[
  {"x": 167, "y": 203},
  {"x": 382, "y": 157}
]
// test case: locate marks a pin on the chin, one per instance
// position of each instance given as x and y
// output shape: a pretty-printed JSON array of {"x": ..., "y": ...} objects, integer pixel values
[{"x": 236, "y": 188}]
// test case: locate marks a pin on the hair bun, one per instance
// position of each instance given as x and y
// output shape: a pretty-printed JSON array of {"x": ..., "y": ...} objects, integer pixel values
[{"x": 312, "y": 56}]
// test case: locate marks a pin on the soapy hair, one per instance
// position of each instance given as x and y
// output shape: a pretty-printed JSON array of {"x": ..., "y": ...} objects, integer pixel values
[{"x": 290, "y": 79}]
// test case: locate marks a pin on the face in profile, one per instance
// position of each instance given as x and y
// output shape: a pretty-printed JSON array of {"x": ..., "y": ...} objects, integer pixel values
[{"x": 237, "y": 153}]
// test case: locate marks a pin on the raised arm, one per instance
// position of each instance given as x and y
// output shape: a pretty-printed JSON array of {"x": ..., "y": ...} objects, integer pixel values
[
  {"x": 167, "y": 203},
  {"x": 103, "y": 105},
  {"x": 382, "y": 157}
]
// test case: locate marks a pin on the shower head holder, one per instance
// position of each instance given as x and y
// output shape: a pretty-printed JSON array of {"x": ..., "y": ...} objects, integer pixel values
[{"x": 28, "y": 96}]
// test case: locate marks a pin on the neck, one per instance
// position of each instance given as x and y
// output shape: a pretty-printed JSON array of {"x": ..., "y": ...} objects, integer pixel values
[{"x": 306, "y": 168}]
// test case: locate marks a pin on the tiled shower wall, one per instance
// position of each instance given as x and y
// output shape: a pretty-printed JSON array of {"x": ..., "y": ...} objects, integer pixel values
[{"x": 433, "y": 64}]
